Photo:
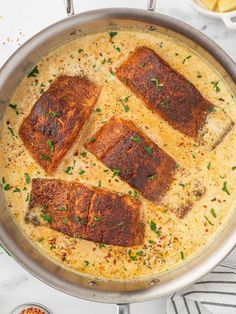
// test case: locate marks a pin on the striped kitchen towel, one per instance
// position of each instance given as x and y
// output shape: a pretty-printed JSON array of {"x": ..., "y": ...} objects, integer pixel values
[{"x": 215, "y": 293}]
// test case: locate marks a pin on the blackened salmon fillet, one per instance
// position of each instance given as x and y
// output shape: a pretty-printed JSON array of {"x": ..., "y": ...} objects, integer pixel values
[
  {"x": 83, "y": 212},
  {"x": 172, "y": 96},
  {"x": 134, "y": 157},
  {"x": 56, "y": 119},
  {"x": 131, "y": 155}
]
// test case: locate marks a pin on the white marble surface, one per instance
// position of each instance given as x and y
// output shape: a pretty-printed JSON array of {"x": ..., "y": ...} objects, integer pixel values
[{"x": 19, "y": 20}]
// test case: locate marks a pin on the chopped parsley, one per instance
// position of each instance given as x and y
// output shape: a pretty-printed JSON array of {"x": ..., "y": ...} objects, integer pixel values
[
  {"x": 52, "y": 114},
  {"x": 7, "y": 187},
  {"x": 97, "y": 219},
  {"x": 65, "y": 220},
  {"x": 92, "y": 139},
  {"x": 62, "y": 208},
  {"x": 157, "y": 84},
  {"x": 224, "y": 188},
  {"x": 136, "y": 139},
  {"x": 211, "y": 108},
  {"x": 213, "y": 213},
  {"x": 116, "y": 172},
  {"x": 16, "y": 190},
  {"x": 51, "y": 145},
  {"x": 102, "y": 245},
  {"x": 126, "y": 108},
  {"x": 14, "y": 107},
  {"x": 152, "y": 177},
  {"x": 81, "y": 172},
  {"x": 112, "y": 73},
  {"x": 69, "y": 169},
  {"x": 112, "y": 34},
  {"x": 187, "y": 58},
  {"x": 34, "y": 72},
  {"x": 182, "y": 184},
  {"x": 210, "y": 223},
  {"x": 27, "y": 198},
  {"x": 78, "y": 219},
  {"x": 233, "y": 168},
  {"x": 98, "y": 110},
  {"x": 182, "y": 255},
  {"x": 27, "y": 178},
  {"x": 153, "y": 227},
  {"x": 209, "y": 165},
  {"x": 199, "y": 74},
  {"x": 134, "y": 257},
  {"x": 12, "y": 132},
  {"x": 45, "y": 157},
  {"x": 86, "y": 263},
  {"x": 80, "y": 50},
  {"x": 99, "y": 183},
  {"x": 151, "y": 241},
  {"x": 83, "y": 154},
  {"x": 47, "y": 218},
  {"x": 123, "y": 100},
  {"x": 133, "y": 193},
  {"x": 117, "y": 48},
  {"x": 148, "y": 149},
  {"x": 216, "y": 86}
]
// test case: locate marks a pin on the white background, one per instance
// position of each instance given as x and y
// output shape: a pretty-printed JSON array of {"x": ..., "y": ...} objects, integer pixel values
[{"x": 21, "y": 19}]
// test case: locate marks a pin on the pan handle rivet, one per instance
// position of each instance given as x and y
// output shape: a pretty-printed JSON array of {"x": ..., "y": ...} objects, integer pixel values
[
  {"x": 154, "y": 282},
  {"x": 92, "y": 283}
]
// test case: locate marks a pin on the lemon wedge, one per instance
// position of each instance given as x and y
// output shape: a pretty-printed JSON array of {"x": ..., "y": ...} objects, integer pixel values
[
  {"x": 210, "y": 4},
  {"x": 226, "y": 5}
]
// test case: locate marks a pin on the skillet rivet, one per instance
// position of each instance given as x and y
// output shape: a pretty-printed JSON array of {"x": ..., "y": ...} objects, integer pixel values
[
  {"x": 154, "y": 282},
  {"x": 92, "y": 283}
]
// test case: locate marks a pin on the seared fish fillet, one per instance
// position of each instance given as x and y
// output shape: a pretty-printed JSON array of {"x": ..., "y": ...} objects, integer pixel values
[
  {"x": 173, "y": 97},
  {"x": 146, "y": 167},
  {"x": 57, "y": 118},
  {"x": 134, "y": 157},
  {"x": 92, "y": 214}
]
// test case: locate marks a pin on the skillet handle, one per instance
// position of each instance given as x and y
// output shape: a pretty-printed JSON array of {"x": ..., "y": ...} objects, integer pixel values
[
  {"x": 123, "y": 309},
  {"x": 152, "y": 5},
  {"x": 70, "y": 6}
]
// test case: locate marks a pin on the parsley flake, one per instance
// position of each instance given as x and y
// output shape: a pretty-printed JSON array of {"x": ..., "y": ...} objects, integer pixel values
[
  {"x": 216, "y": 86},
  {"x": 51, "y": 145},
  {"x": 47, "y": 218},
  {"x": 34, "y": 72},
  {"x": 148, "y": 149},
  {"x": 153, "y": 227},
  {"x": 116, "y": 172},
  {"x": 213, "y": 213},
  {"x": 157, "y": 84},
  {"x": 112, "y": 34},
  {"x": 27, "y": 178},
  {"x": 136, "y": 139},
  {"x": 225, "y": 189}
]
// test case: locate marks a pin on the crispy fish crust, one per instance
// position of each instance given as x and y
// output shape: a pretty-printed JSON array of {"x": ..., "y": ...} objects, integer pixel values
[
  {"x": 165, "y": 91},
  {"x": 57, "y": 118},
  {"x": 80, "y": 211},
  {"x": 134, "y": 157}
]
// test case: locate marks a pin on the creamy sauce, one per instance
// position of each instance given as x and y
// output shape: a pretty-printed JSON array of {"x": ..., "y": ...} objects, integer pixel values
[{"x": 97, "y": 56}]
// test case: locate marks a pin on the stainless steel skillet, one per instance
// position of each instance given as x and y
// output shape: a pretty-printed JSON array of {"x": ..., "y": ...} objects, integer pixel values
[{"x": 81, "y": 285}]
